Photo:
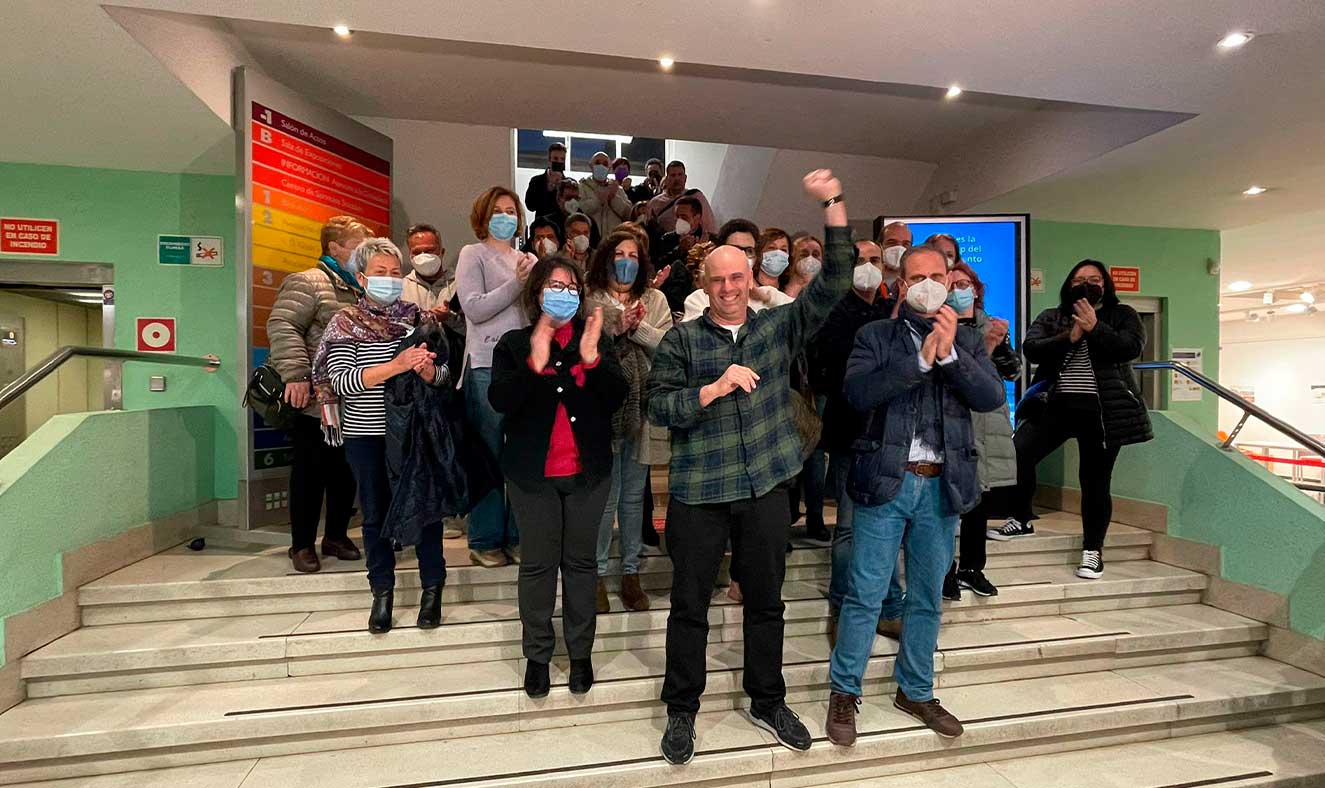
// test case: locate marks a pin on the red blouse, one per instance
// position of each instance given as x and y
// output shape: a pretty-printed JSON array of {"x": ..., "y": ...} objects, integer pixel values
[{"x": 563, "y": 456}]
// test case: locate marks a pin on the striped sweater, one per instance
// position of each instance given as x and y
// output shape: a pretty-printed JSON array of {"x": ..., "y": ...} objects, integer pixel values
[{"x": 363, "y": 410}]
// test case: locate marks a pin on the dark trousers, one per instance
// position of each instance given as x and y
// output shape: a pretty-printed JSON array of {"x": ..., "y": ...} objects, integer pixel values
[
  {"x": 317, "y": 470},
  {"x": 696, "y": 540},
  {"x": 558, "y": 521},
  {"x": 367, "y": 457},
  {"x": 1038, "y": 439},
  {"x": 971, "y": 540}
]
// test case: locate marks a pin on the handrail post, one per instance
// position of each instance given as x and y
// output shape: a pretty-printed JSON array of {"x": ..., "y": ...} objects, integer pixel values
[{"x": 1227, "y": 445}]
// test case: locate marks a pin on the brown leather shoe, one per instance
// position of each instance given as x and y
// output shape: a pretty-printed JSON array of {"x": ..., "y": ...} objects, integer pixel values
[
  {"x": 341, "y": 550},
  {"x": 890, "y": 628},
  {"x": 604, "y": 606},
  {"x": 935, "y": 717},
  {"x": 841, "y": 725},
  {"x": 304, "y": 560},
  {"x": 632, "y": 594}
]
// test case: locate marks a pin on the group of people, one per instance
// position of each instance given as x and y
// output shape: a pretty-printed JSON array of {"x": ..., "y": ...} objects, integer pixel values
[{"x": 531, "y": 389}]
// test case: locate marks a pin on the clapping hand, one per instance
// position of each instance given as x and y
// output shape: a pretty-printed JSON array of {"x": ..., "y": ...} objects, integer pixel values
[
  {"x": 1084, "y": 321},
  {"x": 540, "y": 342},
  {"x": 593, "y": 329},
  {"x": 995, "y": 333},
  {"x": 413, "y": 358},
  {"x": 661, "y": 277},
  {"x": 524, "y": 264},
  {"x": 938, "y": 345}
]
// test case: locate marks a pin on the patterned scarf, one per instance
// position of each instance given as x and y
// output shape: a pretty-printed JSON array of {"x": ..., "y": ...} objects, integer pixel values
[{"x": 366, "y": 322}]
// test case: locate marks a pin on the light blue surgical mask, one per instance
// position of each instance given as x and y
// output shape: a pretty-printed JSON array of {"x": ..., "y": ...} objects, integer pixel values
[
  {"x": 502, "y": 226},
  {"x": 560, "y": 305},
  {"x": 384, "y": 290},
  {"x": 625, "y": 270},
  {"x": 774, "y": 262},
  {"x": 961, "y": 300},
  {"x": 600, "y": 172}
]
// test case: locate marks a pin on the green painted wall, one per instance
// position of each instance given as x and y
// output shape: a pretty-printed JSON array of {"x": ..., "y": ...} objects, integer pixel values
[
  {"x": 83, "y": 477},
  {"x": 1173, "y": 268},
  {"x": 114, "y": 216},
  {"x": 1270, "y": 535}
]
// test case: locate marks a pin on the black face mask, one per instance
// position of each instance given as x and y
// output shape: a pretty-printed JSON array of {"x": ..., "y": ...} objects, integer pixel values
[{"x": 1092, "y": 293}]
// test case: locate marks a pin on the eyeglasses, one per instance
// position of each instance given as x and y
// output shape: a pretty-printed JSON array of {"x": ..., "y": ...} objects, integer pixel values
[
  {"x": 749, "y": 251},
  {"x": 1088, "y": 280},
  {"x": 562, "y": 287},
  {"x": 962, "y": 285}
]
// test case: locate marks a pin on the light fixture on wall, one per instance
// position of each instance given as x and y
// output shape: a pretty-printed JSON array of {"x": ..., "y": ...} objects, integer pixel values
[
  {"x": 1252, "y": 191},
  {"x": 1239, "y": 286},
  {"x": 1236, "y": 39},
  {"x": 1307, "y": 297},
  {"x": 1267, "y": 298},
  {"x": 624, "y": 139},
  {"x": 342, "y": 30},
  {"x": 666, "y": 62},
  {"x": 953, "y": 92}
]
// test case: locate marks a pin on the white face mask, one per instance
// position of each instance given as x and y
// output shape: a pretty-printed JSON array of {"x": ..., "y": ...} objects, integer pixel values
[
  {"x": 546, "y": 247},
  {"x": 572, "y": 206},
  {"x": 926, "y": 296},
  {"x": 683, "y": 227},
  {"x": 866, "y": 277},
  {"x": 811, "y": 266},
  {"x": 426, "y": 263},
  {"x": 580, "y": 242},
  {"x": 892, "y": 257},
  {"x": 951, "y": 261}
]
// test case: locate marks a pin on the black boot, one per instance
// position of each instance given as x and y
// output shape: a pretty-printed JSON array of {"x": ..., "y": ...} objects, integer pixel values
[
  {"x": 581, "y": 676},
  {"x": 430, "y": 608},
  {"x": 537, "y": 682},
  {"x": 379, "y": 620}
]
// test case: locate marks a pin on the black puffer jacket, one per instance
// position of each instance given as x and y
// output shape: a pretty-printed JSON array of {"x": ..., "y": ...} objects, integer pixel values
[{"x": 1114, "y": 344}]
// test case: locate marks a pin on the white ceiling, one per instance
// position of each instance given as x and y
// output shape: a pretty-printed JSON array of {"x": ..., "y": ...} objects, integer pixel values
[{"x": 90, "y": 95}]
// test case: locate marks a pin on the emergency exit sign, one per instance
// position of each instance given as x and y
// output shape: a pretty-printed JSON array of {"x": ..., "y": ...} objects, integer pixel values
[{"x": 29, "y": 236}]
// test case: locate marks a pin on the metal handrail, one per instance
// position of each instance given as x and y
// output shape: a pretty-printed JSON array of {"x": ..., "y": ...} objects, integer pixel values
[
  {"x": 52, "y": 362},
  {"x": 1248, "y": 409}
]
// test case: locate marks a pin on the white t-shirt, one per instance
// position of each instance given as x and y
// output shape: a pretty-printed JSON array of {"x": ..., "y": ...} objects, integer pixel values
[{"x": 698, "y": 301}]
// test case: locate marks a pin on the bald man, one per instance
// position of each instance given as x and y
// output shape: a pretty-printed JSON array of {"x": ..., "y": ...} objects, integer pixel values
[{"x": 720, "y": 384}]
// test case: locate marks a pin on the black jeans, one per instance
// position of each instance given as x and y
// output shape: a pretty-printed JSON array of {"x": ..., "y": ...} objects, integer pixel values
[
  {"x": 558, "y": 521},
  {"x": 1038, "y": 439},
  {"x": 368, "y": 458},
  {"x": 316, "y": 470},
  {"x": 696, "y": 540}
]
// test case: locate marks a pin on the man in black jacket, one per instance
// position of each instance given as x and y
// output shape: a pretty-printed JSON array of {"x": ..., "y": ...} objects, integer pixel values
[
  {"x": 827, "y": 354},
  {"x": 918, "y": 377},
  {"x": 541, "y": 196}
]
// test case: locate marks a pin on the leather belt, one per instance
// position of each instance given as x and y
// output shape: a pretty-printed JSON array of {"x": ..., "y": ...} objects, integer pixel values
[{"x": 926, "y": 469}]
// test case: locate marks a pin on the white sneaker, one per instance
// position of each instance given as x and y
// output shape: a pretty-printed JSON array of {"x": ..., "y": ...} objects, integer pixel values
[
  {"x": 1010, "y": 530},
  {"x": 1092, "y": 565},
  {"x": 453, "y": 527}
]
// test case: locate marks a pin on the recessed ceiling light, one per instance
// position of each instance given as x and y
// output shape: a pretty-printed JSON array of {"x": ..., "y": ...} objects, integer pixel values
[
  {"x": 666, "y": 62},
  {"x": 1267, "y": 298},
  {"x": 1295, "y": 309},
  {"x": 1236, "y": 39},
  {"x": 341, "y": 30},
  {"x": 1308, "y": 297},
  {"x": 1239, "y": 286},
  {"x": 1252, "y": 191},
  {"x": 953, "y": 91}
]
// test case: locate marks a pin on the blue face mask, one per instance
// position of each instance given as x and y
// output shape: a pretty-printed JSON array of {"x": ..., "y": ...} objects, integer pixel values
[
  {"x": 961, "y": 300},
  {"x": 600, "y": 172},
  {"x": 502, "y": 226},
  {"x": 774, "y": 262},
  {"x": 625, "y": 270},
  {"x": 560, "y": 305},
  {"x": 384, "y": 290}
]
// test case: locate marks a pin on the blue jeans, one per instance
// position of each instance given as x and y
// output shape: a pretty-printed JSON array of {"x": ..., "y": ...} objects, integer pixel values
[
  {"x": 625, "y": 502},
  {"x": 839, "y": 465},
  {"x": 491, "y": 526},
  {"x": 915, "y": 518},
  {"x": 367, "y": 458}
]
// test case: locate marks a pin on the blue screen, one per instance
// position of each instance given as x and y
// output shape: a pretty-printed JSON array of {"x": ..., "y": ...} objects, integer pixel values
[{"x": 992, "y": 247}]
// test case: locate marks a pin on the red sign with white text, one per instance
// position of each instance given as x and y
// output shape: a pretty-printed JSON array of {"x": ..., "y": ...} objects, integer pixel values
[
  {"x": 29, "y": 236},
  {"x": 156, "y": 334},
  {"x": 1126, "y": 280}
]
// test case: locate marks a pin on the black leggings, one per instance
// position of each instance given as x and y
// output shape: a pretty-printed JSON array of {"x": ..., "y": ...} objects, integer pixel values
[
  {"x": 1037, "y": 439},
  {"x": 971, "y": 541}
]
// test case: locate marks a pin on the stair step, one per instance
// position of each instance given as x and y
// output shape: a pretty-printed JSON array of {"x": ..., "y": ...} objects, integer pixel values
[
  {"x": 248, "y": 579},
  {"x": 1009, "y": 720},
  {"x": 96, "y": 659},
  {"x": 250, "y": 717}
]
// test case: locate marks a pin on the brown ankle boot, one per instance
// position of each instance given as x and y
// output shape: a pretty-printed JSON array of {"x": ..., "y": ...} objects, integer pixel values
[
  {"x": 632, "y": 594},
  {"x": 603, "y": 605}
]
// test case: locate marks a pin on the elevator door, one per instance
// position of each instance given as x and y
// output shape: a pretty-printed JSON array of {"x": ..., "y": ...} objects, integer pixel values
[{"x": 1151, "y": 311}]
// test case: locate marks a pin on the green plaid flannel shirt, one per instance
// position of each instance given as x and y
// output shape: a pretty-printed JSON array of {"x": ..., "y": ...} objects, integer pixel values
[{"x": 742, "y": 445}]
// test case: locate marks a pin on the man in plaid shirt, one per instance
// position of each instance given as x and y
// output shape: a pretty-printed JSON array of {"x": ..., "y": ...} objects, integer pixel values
[{"x": 722, "y": 384}]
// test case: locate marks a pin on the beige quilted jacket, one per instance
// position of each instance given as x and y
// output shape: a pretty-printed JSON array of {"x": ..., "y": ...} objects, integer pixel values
[{"x": 305, "y": 304}]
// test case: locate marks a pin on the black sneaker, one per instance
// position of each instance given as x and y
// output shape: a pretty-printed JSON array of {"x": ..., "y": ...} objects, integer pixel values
[
  {"x": 975, "y": 580},
  {"x": 1092, "y": 565},
  {"x": 537, "y": 679},
  {"x": 678, "y": 741},
  {"x": 951, "y": 590},
  {"x": 1010, "y": 530},
  {"x": 817, "y": 532},
  {"x": 785, "y": 726}
]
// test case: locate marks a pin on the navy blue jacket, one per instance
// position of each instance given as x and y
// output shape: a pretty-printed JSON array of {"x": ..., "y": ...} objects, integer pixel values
[{"x": 883, "y": 379}]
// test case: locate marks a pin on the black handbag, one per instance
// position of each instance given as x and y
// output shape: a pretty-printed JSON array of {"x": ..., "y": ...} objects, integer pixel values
[{"x": 266, "y": 396}]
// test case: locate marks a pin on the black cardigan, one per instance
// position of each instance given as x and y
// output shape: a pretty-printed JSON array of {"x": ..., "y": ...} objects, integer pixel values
[
  {"x": 1116, "y": 341},
  {"x": 529, "y": 403}
]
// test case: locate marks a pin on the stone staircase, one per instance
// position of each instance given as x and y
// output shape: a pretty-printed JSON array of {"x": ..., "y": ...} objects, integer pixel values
[{"x": 224, "y": 668}]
